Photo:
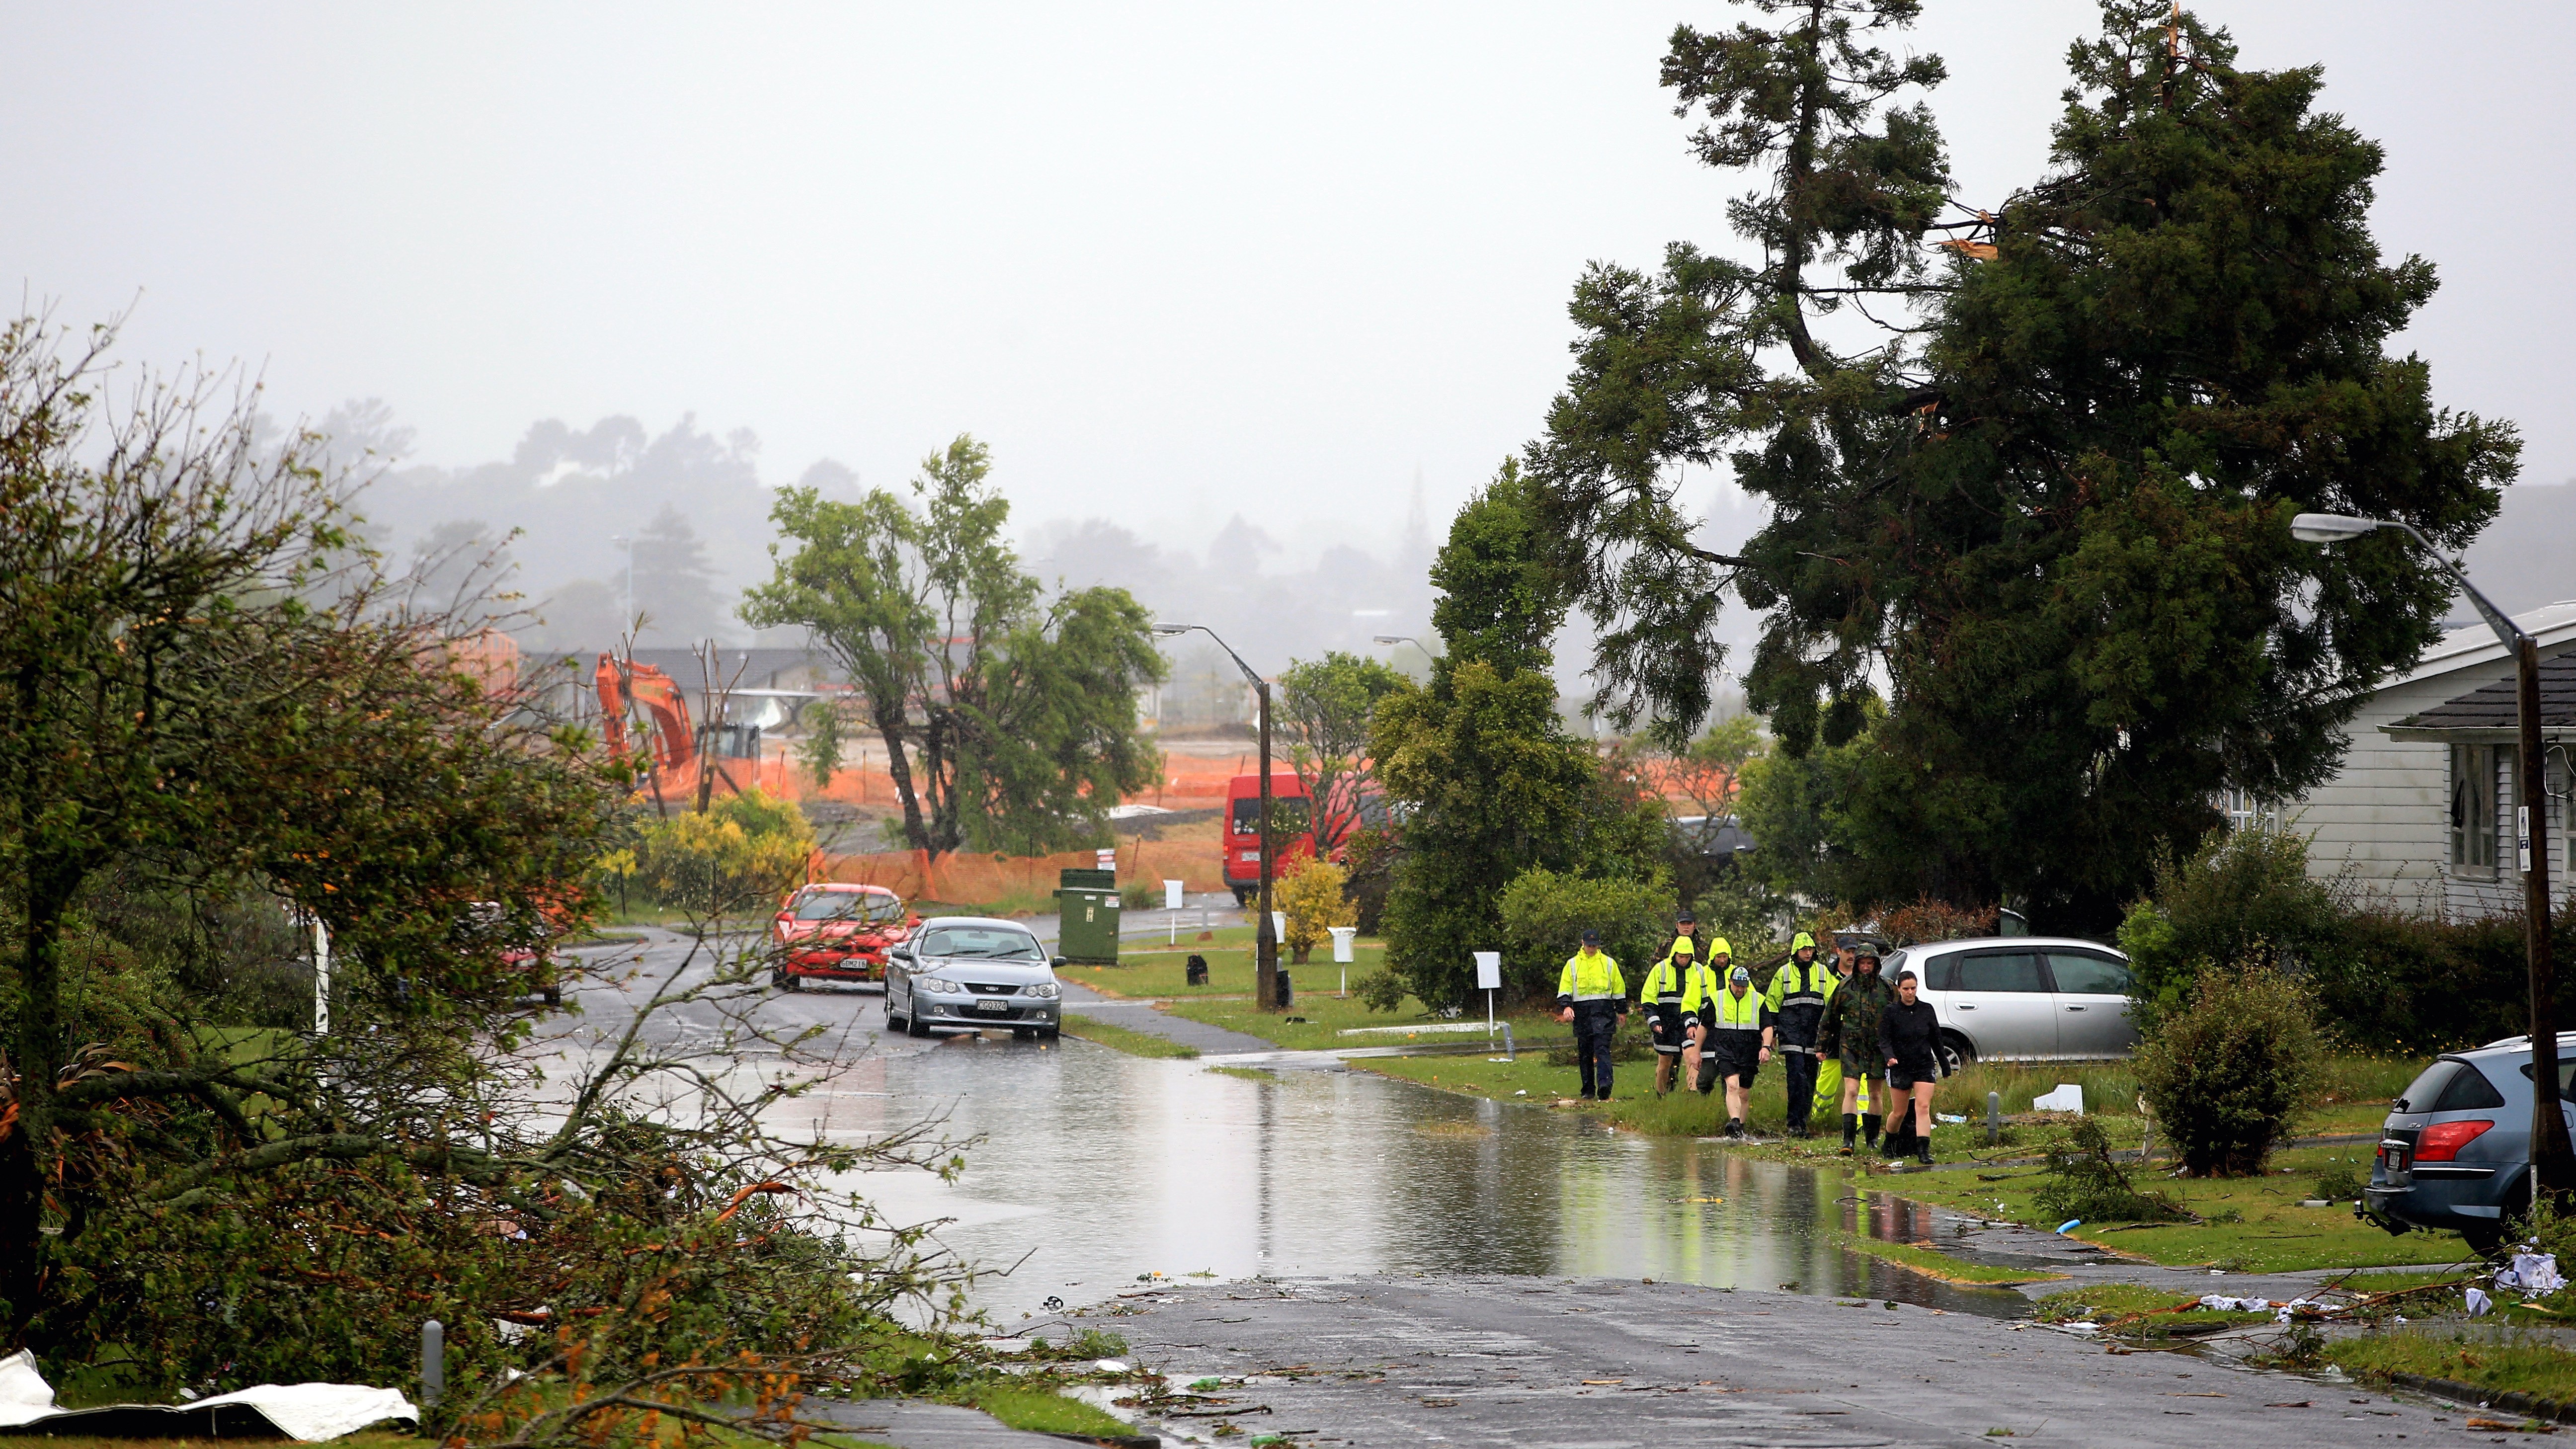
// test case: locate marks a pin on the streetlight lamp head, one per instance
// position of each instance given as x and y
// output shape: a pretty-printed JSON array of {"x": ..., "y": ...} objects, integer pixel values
[
  {"x": 1390, "y": 639},
  {"x": 2329, "y": 527},
  {"x": 1170, "y": 631}
]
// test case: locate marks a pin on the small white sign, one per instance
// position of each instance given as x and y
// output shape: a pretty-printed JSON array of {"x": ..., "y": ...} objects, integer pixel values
[
  {"x": 1489, "y": 970},
  {"x": 1171, "y": 895},
  {"x": 1342, "y": 941},
  {"x": 1279, "y": 925},
  {"x": 2522, "y": 837}
]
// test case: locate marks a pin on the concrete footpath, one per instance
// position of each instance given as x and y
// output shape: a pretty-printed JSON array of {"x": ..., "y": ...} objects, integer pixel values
[
  {"x": 1533, "y": 1362},
  {"x": 1140, "y": 1016}
]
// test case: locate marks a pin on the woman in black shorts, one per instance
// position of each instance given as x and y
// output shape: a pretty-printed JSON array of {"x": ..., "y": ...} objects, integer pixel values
[{"x": 1909, "y": 1037}]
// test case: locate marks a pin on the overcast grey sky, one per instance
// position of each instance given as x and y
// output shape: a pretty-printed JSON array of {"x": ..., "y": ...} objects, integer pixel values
[{"x": 1172, "y": 261}]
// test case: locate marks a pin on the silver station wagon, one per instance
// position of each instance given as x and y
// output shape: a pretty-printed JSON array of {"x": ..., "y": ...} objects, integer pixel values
[
  {"x": 2024, "y": 998},
  {"x": 972, "y": 973}
]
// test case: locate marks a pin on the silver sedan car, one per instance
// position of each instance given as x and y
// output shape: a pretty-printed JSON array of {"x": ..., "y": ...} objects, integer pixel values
[
  {"x": 970, "y": 973},
  {"x": 2024, "y": 998}
]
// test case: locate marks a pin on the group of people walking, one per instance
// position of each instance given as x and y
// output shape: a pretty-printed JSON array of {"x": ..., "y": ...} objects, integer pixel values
[{"x": 1819, "y": 1017}]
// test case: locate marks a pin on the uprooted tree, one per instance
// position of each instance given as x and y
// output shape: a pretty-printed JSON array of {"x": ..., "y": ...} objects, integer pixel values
[
  {"x": 223, "y": 726},
  {"x": 2043, "y": 503}
]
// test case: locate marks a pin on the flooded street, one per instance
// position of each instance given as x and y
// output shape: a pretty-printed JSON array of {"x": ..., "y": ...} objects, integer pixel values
[{"x": 1090, "y": 1169}]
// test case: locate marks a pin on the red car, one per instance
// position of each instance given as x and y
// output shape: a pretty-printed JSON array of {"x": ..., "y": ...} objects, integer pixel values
[{"x": 833, "y": 932}]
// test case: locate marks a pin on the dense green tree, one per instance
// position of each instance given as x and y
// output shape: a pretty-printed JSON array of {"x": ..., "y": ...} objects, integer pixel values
[
  {"x": 1495, "y": 785},
  {"x": 1323, "y": 709},
  {"x": 224, "y": 726},
  {"x": 1007, "y": 720},
  {"x": 2055, "y": 532}
]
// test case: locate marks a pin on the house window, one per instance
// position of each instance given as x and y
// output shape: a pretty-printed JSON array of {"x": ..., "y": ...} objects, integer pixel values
[
  {"x": 2473, "y": 807},
  {"x": 2247, "y": 811}
]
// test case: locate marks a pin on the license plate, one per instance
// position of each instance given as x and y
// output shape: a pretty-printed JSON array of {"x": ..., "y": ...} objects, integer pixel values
[{"x": 992, "y": 1006}]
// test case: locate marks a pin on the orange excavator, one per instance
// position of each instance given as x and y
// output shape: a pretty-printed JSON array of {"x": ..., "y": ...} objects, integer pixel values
[{"x": 675, "y": 744}]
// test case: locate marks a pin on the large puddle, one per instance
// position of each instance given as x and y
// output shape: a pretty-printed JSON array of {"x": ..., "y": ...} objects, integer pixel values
[{"x": 1096, "y": 1170}]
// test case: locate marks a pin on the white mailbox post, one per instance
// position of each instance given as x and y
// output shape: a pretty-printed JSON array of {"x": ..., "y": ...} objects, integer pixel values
[
  {"x": 1489, "y": 979},
  {"x": 1172, "y": 904},
  {"x": 1342, "y": 952}
]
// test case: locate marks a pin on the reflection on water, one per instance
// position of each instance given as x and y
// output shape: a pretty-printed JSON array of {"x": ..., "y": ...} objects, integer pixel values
[{"x": 1096, "y": 1168}]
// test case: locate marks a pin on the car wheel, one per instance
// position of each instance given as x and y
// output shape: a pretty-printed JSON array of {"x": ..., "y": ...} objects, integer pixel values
[
  {"x": 894, "y": 1023},
  {"x": 1050, "y": 1035},
  {"x": 1959, "y": 1047},
  {"x": 917, "y": 1027},
  {"x": 1242, "y": 897}
]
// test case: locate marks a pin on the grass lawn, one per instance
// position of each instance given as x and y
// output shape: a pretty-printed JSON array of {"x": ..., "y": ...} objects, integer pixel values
[
  {"x": 2535, "y": 1368},
  {"x": 1044, "y": 1411},
  {"x": 1154, "y": 969},
  {"x": 1119, "y": 1038}
]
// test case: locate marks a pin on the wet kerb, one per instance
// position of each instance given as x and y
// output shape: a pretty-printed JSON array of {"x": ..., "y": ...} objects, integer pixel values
[{"x": 1414, "y": 1359}]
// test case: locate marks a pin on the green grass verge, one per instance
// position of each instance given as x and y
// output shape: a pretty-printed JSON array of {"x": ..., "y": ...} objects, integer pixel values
[
  {"x": 1249, "y": 1074},
  {"x": 1043, "y": 1411},
  {"x": 1933, "y": 1263},
  {"x": 1324, "y": 1018},
  {"x": 1160, "y": 971},
  {"x": 1119, "y": 1038},
  {"x": 2507, "y": 1366},
  {"x": 2103, "y": 1300}
]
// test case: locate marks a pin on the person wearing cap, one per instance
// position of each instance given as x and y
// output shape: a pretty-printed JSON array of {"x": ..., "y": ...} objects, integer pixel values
[
  {"x": 1662, "y": 997},
  {"x": 1797, "y": 996},
  {"x": 1851, "y": 1025},
  {"x": 1592, "y": 995},
  {"x": 1909, "y": 1038},
  {"x": 1735, "y": 1037},
  {"x": 1697, "y": 1068}
]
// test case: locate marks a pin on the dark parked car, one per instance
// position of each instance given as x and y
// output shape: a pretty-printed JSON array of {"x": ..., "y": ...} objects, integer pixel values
[{"x": 2456, "y": 1149}]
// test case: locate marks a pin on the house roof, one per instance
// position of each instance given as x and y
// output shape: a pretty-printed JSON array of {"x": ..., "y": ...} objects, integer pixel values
[
  {"x": 2491, "y": 712},
  {"x": 2554, "y": 625}
]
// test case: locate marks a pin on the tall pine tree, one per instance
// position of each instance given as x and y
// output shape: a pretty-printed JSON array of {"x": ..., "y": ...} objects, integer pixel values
[{"x": 2057, "y": 534}]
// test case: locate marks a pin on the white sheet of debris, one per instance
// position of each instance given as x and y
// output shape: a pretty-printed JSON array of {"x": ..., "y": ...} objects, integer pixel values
[{"x": 296, "y": 1411}]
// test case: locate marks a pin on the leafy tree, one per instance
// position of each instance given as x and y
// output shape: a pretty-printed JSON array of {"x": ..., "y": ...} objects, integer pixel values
[
  {"x": 1495, "y": 785},
  {"x": 1544, "y": 914},
  {"x": 735, "y": 857},
  {"x": 1053, "y": 738},
  {"x": 224, "y": 727},
  {"x": 1324, "y": 707},
  {"x": 1021, "y": 719},
  {"x": 820, "y": 750},
  {"x": 674, "y": 580},
  {"x": 1311, "y": 896},
  {"x": 2057, "y": 528}
]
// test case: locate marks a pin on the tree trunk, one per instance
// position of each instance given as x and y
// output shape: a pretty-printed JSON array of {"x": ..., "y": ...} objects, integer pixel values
[
  {"x": 900, "y": 768},
  {"x": 38, "y": 1060}
]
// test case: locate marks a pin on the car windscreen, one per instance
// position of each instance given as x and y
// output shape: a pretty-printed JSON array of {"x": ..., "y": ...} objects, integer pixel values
[
  {"x": 849, "y": 906},
  {"x": 990, "y": 943},
  {"x": 1288, "y": 812}
]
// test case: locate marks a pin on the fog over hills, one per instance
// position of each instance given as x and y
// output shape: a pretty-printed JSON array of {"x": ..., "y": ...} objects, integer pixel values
[{"x": 692, "y": 508}]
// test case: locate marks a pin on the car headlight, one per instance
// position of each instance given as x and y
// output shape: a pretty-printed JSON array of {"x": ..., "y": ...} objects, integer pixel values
[
  {"x": 1038, "y": 988},
  {"x": 939, "y": 984}
]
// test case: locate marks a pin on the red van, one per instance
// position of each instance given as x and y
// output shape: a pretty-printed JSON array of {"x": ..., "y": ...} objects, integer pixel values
[{"x": 1295, "y": 814}]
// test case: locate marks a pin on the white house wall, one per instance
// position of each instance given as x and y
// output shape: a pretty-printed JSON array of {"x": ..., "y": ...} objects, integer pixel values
[{"x": 2383, "y": 822}]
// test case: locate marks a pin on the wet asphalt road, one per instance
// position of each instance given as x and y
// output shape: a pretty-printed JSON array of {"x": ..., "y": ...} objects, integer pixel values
[{"x": 1453, "y": 1269}]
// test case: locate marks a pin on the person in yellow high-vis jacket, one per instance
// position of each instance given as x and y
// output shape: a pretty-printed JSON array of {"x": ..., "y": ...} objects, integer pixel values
[
  {"x": 1698, "y": 989},
  {"x": 1735, "y": 1038},
  {"x": 1592, "y": 995},
  {"x": 1797, "y": 997},
  {"x": 1661, "y": 995}
]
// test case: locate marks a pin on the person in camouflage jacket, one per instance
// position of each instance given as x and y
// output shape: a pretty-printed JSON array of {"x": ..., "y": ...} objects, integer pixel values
[{"x": 1850, "y": 1031}]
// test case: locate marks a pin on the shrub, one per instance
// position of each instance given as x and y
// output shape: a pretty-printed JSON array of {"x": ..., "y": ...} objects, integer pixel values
[
  {"x": 2085, "y": 1181},
  {"x": 2228, "y": 1073},
  {"x": 1545, "y": 914},
  {"x": 1382, "y": 990},
  {"x": 740, "y": 855},
  {"x": 1744, "y": 911},
  {"x": 1369, "y": 854},
  {"x": 1311, "y": 897},
  {"x": 2243, "y": 896},
  {"x": 1935, "y": 920}
]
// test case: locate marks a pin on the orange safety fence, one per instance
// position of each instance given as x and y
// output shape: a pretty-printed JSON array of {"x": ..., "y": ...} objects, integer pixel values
[
  {"x": 972, "y": 877},
  {"x": 1189, "y": 782}
]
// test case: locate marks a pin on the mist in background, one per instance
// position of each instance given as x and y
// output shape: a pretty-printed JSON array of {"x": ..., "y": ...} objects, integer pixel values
[{"x": 1245, "y": 301}]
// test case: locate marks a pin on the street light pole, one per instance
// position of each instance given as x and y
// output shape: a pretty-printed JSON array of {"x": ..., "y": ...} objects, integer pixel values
[
  {"x": 2553, "y": 1165},
  {"x": 1265, "y": 955}
]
